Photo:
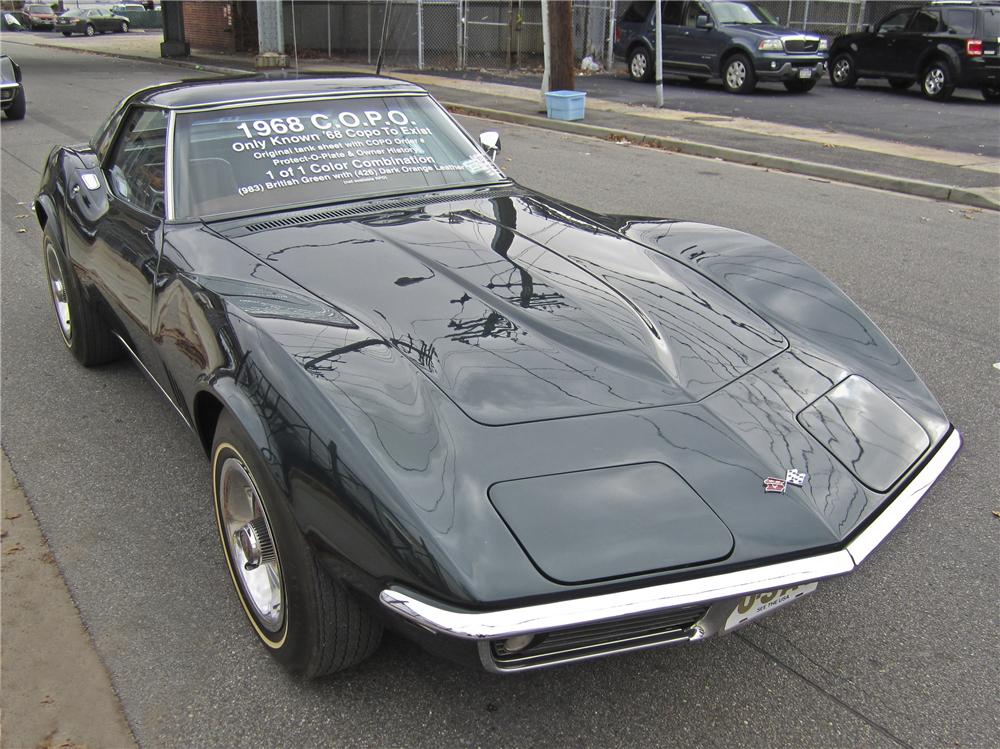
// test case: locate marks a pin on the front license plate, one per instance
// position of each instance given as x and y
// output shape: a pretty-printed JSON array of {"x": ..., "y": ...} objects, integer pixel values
[
  {"x": 750, "y": 607},
  {"x": 805, "y": 73}
]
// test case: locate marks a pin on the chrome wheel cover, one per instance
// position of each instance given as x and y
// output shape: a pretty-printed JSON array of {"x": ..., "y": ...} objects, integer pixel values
[
  {"x": 736, "y": 73},
  {"x": 934, "y": 81},
  {"x": 57, "y": 287},
  {"x": 841, "y": 70},
  {"x": 638, "y": 66},
  {"x": 250, "y": 544}
]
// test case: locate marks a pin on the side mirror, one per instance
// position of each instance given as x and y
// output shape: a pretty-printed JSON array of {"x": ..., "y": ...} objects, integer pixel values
[
  {"x": 704, "y": 22},
  {"x": 490, "y": 142}
]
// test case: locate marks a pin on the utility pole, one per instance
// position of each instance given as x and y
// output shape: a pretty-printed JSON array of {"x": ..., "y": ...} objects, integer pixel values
[
  {"x": 270, "y": 35},
  {"x": 658, "y": 19},
  {"x": 563, "y": 74},
  {"x": 546, "y": 56}
]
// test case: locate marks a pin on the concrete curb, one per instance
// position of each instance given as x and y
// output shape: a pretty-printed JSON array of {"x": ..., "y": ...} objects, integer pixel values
[{"x": 948, "y": 193}]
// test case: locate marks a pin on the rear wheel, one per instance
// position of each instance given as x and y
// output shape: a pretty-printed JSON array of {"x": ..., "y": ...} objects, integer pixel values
[
  {"x": 937, "y": 83},
  {"x": 738, "y": 76},
  {"x": 310, "y": 622},
  {"x": 842, "y": 71},
  {"x": 83, "y": 330},
  {"x": 89, "y": 30},
  {"x": 640, "y": 65},
  {"x": 900, "y": 84},
  {"x": 992, "y": 94},
  {"x": 18, "y": 107},
  {"x": 800, "y": 86}
]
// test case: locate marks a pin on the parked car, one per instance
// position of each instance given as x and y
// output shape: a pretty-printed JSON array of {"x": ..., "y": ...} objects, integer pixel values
[
  {"x": 128, "y": 8},
  {"x": 741, "y": 43},
  {"x": 39, "y": 16},
  {"x": 941, "y": 45},
  {"x": 12, "y": 97},
  {"x": 517, "y": 431},
  {"x": 13, "y": 21},
  {"x": 90, "y": 21}
]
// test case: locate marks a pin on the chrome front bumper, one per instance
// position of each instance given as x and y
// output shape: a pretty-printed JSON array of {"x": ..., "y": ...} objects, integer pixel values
[{"x": 721, "y": 592}]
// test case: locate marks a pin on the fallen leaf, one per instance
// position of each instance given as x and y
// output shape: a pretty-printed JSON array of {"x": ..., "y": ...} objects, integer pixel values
[
  {"x": 13, "y": 515},
  {"x": 996, "y": 513},
  {"x": 21, "y": 215},
  {"x": 14, "y": 549},
  {"x": 22, "y": 231}
]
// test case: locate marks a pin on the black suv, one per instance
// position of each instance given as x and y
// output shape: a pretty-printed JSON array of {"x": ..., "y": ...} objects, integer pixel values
[
  {"x": 741, "y": 43},
  {"x": 941, "y": 44}
]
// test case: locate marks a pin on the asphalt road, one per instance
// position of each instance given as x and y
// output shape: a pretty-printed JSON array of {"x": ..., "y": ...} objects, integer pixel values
[
  {"x": 966, "y": 123},
  {"x": 901, "y": 653}
]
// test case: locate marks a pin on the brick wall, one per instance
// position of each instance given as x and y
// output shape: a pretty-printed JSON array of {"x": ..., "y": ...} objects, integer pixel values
[{"x": 209, "y": 26}]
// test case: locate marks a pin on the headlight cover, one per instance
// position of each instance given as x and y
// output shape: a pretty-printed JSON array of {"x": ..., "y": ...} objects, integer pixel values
[
  {"x": 824, "y": 45},
  {"x": 770, "y": 45}
]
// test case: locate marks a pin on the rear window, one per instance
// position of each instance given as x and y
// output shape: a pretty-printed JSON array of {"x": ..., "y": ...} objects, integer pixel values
[
  {"x": 280, "y": 155},
  {"x": 73, "y": 13},
  {"x": 960, "y": 21},
  {"x": 39, "y": 9},
  {"x": 991, "y": 22},
  {"x": 636, "y": 12}
]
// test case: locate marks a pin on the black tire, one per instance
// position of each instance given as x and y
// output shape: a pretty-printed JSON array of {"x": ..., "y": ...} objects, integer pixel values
[
  {"x": 843, "y": 74},
  {"x": 937, "y": 83},
  {"x": 85, "y": 333},
  {"x": 19, "y": 107},
  {"x": 89, "y": 30},
  {"x": 800, "y": 85},
  {"x": 992, "y": 94},
  {"x": 123, "y": 28},
  {"x": 640, "y": 65},
  {"x": 67, "y": 33},
  {"x": 900, "y": 84},
  {"x": 738, "y": 76},
  {"x": 323, "y": 628}
]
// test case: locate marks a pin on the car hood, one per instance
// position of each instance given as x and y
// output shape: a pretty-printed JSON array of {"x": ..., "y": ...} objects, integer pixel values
[
  {"x": 767, "y": 30},
  {"x": 519, "y": 310}
]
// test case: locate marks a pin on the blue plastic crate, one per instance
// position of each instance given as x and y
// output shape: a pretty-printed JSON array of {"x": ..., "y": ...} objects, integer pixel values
[{"x": 565, "y": 105}]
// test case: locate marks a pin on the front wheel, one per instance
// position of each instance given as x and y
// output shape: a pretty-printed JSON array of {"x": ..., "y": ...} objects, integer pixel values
[
  {"x": 900, "y": 84},
  {"x": 937, "y": 83},
  {"x": 992, "y": 94},
  {"x": 842, "y": 71},
  {"x": 309, "y": 621},
  {"x": 18, "y": 107},
  {"x": 738, "y": 76},
  {"x": 83, "y": 330},
  {"x": 123, "y": 28},
  {"x": 800, "y": 86},
  {"x": 640, "y": 65},
  {"x": 89, "y": 30}
]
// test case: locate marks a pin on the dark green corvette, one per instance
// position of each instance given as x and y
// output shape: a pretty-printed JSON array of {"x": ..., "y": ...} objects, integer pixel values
[{"x": 518, "y": 432}]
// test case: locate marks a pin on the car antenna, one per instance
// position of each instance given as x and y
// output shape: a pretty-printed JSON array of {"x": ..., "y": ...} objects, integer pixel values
[
  {"x": 381, "y": 44},
  {"x": 295, "y": 42}
]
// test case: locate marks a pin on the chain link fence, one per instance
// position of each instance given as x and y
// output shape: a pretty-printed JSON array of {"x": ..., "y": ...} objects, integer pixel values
[{"x": 502, "y": 34}]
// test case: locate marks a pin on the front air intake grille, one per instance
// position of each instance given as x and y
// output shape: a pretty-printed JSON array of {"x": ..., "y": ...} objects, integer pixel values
[
  {"x": 601, "y": 638},
  {"x": 366, "y": 208},
  {"x": 801, "y": 45}
]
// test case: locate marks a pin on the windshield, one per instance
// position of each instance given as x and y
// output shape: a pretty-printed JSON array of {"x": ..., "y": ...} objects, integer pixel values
[
  {"x": 279, "y": 155},
  {"x": 72, "y": 14},
  {"x": 742, "y": 13}
]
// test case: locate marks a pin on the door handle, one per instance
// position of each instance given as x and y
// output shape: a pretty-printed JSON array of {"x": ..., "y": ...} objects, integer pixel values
[{"x": 75, "y": 191}]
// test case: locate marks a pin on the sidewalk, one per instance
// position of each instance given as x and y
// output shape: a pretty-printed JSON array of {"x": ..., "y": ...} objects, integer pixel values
[
  {"x": 56, "y": 691},
  {"x": 963, "y": 178}
]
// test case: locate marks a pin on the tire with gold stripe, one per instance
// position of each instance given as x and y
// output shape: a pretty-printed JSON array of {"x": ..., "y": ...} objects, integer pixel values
[{"x": 309, "y": 621}]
